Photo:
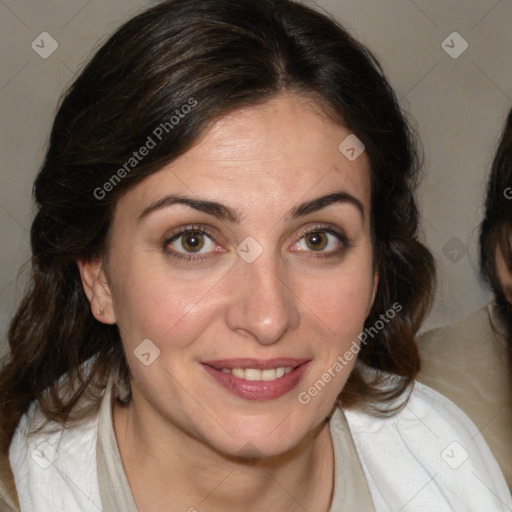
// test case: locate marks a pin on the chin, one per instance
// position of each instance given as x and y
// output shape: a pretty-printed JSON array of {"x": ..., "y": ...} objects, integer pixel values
[
  {"x": 251, "y": 450},
  {"x": 263, "y": 440}
]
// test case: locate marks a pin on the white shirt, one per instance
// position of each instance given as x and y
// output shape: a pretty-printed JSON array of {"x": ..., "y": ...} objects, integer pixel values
[{"x": 428, "y": 457}]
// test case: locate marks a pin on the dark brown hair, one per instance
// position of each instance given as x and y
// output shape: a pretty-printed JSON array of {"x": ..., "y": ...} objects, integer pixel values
[
  {"x": 496, "y": 227},
  {"x": 219, "y": 55}
]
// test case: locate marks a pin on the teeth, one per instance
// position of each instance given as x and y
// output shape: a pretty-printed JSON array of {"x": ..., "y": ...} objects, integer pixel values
[
  {"x": 252, "y": 374},
  {"x": 270, "y": 374},
  {"x": 255, "y": 374}
]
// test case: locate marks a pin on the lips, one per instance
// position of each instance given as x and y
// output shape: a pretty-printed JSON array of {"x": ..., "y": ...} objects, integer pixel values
[{"x": 256, "y": 379}]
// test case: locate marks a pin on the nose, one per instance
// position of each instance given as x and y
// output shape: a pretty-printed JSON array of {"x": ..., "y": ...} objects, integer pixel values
[{"x": 263, "y": 305}]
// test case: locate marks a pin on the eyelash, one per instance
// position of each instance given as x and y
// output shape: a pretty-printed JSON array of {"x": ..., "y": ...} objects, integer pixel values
[{"x": 197, "y": 258}]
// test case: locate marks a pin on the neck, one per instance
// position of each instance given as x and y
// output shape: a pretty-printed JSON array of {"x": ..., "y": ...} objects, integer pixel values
[{"x": 168, "y": 469}]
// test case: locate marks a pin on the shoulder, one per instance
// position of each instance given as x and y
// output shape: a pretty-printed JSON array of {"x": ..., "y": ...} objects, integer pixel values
[
  {"x": 424, "y": 408},
  {"x": 427, "y": 454},
  {"x": 55, "y": 467},
  {"x": 471, "y": 327},
  {"x": 457, "y": 358}
]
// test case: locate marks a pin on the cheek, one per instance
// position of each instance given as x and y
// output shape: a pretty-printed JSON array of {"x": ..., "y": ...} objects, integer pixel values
[
  {"x": 151, "y": 303},
  {"x": 341, "y": 302}
]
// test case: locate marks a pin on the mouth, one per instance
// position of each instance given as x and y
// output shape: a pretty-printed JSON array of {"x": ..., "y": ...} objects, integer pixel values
[
  {"x": 254, "y": 379},
  {"x": 255, "y": 374}
]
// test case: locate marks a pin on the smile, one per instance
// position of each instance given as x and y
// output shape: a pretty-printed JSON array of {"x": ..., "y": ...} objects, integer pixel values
[
  {"x": 257, "y": 379},
  {"x": 255, "y": 374}
]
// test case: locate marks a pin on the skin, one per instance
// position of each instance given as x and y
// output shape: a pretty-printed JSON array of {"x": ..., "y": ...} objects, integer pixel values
[
  {"x": 260, "y": 162},
  {"x": 503, "y": 274}
]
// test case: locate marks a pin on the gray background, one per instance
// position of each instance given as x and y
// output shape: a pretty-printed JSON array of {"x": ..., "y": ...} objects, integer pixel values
[{"x": 458, "y": 106}]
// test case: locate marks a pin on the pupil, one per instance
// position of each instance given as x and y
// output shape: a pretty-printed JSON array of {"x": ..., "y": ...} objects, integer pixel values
[{"x": 193, "y": 242}]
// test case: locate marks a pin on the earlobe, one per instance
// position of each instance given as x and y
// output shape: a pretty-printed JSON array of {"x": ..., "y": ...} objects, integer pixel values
[{"x": 97, "y": 289}]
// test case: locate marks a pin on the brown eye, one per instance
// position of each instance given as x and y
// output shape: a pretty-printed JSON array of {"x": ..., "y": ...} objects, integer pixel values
[
  {"x": 321, "y": 242},
  {"x": 316, "y": 241},
  {"x": 192, "y": 241},
  {"x": 192, "y": 244}
]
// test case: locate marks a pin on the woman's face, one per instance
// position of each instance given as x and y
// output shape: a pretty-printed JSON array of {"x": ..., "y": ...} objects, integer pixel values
[
  {"x": 503, "y": 274},
  {"x": 247, "y": 264}
]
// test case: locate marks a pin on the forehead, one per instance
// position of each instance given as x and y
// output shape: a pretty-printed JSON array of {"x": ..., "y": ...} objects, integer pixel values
[{"x": 269, "y": 156}]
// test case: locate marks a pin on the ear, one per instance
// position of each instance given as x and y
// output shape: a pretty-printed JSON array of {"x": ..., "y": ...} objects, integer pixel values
[
  {"x": 375, "y": 285},
  {"x": 97, "y": 289}
]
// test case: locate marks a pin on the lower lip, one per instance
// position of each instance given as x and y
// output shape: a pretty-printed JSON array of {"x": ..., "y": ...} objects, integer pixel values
[{"x": 259, "y": 389}]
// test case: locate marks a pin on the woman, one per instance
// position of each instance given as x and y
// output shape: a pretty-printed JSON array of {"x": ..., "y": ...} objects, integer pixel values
[
  {"x": 225, "y": 226},
  {"x": 471, "y": 361}
]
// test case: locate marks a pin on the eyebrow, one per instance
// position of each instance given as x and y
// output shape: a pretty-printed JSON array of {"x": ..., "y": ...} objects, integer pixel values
[
  {"x": 325, "y": 201},
  {"x": 222, "y": 212}
]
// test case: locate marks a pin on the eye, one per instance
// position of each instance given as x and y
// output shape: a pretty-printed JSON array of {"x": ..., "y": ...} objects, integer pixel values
[
  {"x": 317, "y": 241},
  {"x": 191, "y": 241},
  {"x": 322, "y": 240}
]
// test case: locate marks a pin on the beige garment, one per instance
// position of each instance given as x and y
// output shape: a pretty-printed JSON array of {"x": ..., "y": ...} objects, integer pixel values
[
  {"x": 351, "y": 491},
  {"x": 467, "y": 362}
]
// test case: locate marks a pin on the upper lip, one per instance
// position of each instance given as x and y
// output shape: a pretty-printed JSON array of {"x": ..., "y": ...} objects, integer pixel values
[{"x": 261, "y": 364}]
